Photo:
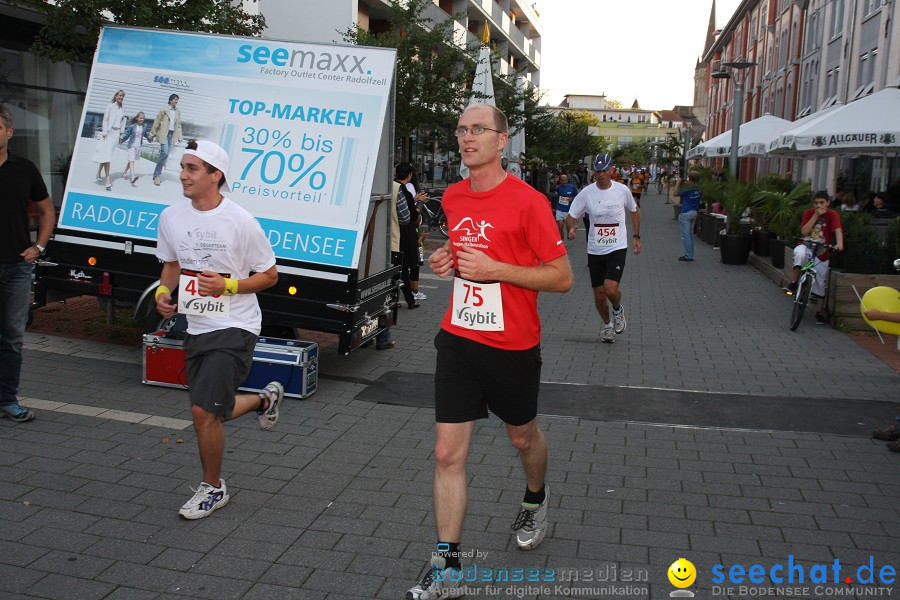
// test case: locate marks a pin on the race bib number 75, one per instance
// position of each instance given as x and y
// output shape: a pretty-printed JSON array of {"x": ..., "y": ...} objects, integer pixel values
[{"x": 477, "y": 306}]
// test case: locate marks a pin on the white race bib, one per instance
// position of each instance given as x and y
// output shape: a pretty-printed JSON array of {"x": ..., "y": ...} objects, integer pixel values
[
  {"x": 192, "y": 302},
  {"x": 564, "y": 201},
  {"x": 605, "y": 235},
  {"x": 477, "y": 306}
]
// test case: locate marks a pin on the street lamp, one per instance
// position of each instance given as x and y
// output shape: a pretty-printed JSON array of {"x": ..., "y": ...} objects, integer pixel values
[{"x": 737, "y": 107}]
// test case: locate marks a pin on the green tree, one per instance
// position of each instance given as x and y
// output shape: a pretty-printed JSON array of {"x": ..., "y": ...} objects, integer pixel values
[
  {"x": 533, "y": 117},
  {"x": 670, "y": 151},
  {"x": 432, "y": 69},
  {"x": 72, "y": 27},
  {"x": 566, "y": 139},
  {"x": 634, "y": 153}
]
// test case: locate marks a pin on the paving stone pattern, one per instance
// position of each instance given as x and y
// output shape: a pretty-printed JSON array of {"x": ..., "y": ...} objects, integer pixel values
[{"x": 335, "y": 502}]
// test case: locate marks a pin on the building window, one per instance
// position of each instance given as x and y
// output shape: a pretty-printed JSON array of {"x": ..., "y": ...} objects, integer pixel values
[
  {"x": 863, "y": 69},
  {"x": 872, "y": 6},
  {"x": 45, "y": 100},
  {"x": 837, "y": 18}
]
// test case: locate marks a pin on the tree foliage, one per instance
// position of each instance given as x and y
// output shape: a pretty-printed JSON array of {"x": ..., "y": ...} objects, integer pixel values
[
  {"x": 564, "y": 138},
  {"x": 73, "y": 26},
  {"x": 634, "y": 153},
  {"x": 432, "y": 69},
  {"x": 669, "y": 151}
]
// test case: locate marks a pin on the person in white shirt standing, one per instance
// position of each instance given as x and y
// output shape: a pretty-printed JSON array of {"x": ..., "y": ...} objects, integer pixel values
[
  {"x": 208, "y": 246},
  {"x": 605, "y": 203}
]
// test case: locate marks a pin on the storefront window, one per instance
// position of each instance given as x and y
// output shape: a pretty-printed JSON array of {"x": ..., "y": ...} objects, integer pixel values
[{"x": 45, "y": 99}]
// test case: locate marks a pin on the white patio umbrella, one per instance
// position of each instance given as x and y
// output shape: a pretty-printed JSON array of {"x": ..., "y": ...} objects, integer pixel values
[
  {"x": 750, "y": 133},
  {"x": 870, "y": 125},
  {"x": 762, "y": 144},
  {"x": 483, "y": 84},
  {"x": 698, "y": 150},
  {"x": 782, "y": 143}
]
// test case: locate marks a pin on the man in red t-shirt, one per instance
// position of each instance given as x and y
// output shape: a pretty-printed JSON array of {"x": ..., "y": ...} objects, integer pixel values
[
  {"x": 504, "y": 248},
  {"x": 820, "y": 224}
]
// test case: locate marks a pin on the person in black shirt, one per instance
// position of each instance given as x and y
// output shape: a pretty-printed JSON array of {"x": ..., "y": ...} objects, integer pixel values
[
  {"x": 880, "y": 208},
  {"x": 21, "y": 182}
]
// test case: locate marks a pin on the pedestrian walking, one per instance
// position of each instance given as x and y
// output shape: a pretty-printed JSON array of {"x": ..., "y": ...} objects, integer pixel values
[
  {"x": 21, "y": 182},
  {"x": 208, "y": 246},
  {"x": 690, "y": 195},
  {"x": 606, "y": 202},
  {"x": 504, "y": 248}
]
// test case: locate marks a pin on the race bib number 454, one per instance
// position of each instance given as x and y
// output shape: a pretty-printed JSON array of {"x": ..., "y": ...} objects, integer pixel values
[
  {"x": 192, "y": 302},
  {"x": 477, "y": 306},
  {"x": 606, "y": 235}
]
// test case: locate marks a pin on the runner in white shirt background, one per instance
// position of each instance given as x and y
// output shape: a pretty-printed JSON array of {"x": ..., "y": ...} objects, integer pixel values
[{"x": 606, "y": 202}]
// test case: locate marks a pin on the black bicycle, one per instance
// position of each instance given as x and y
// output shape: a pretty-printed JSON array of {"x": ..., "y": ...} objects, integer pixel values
[{"x": 433, "y": 216}]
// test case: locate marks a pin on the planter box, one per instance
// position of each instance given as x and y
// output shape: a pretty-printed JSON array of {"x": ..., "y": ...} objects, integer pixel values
[{"x": 842, "y": 303}]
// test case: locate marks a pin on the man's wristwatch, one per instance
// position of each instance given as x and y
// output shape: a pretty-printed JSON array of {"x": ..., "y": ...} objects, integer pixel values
[
  {"x": 637, "y": 235},
  {"x": 40, "y": 248}
]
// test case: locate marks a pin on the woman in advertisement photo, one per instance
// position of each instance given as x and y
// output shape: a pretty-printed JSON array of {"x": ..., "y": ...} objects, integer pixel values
[
  {"x": 113, "y": 120},
  {"x": 133, "y": 138}
]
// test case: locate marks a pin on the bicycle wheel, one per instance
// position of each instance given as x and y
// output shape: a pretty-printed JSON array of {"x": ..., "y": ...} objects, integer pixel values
[{"x": 800, "y": 301}]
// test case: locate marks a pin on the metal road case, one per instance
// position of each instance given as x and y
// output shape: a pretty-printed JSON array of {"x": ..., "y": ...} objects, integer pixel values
[
  {"x": 293, "y": 363},
  {"x": 164, "y": 361}
]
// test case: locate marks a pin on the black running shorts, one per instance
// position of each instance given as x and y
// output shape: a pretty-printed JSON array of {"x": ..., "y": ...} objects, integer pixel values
[
  {"x": 472, "y": 378},
  {"x": 217, "y": 362},
  {"x": 607, "y": 266}
]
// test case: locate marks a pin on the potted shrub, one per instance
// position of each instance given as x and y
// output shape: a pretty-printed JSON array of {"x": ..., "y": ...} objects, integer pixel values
[
  {"x": 712, "y": 193},
  {"x": 782, "y": 210},
  {"x": 737, "y": 197}
]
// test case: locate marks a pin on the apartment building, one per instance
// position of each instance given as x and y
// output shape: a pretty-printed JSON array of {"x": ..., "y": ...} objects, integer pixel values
[
  {"x": 768, "y": 34},
  {"x": 624, "y": 125},
  {"x": 514, "y": 25},
  {"x": 808, "y": 55}
]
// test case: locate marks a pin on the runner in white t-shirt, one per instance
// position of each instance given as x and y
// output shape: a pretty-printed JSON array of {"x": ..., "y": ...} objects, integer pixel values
[
  {"x": 606, "y": 202},
  {"x": 209, "y": 246}
]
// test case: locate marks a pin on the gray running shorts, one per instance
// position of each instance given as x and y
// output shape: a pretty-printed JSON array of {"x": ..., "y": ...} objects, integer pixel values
[{"x": 217, "y": 362}]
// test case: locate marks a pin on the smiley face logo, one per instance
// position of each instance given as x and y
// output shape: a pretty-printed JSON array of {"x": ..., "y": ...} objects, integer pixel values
[{"x": 682, "y": 573}]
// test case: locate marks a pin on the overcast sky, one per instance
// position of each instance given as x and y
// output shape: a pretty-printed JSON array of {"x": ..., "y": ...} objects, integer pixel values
[{"x": 644, "y": 49}]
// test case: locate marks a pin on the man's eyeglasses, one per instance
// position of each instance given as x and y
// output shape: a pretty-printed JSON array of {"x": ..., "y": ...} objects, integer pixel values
[{"x": 477, "y": 130}]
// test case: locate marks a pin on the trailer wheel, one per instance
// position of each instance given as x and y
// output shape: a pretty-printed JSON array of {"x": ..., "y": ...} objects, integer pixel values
[{"x": 175, "y": 325}]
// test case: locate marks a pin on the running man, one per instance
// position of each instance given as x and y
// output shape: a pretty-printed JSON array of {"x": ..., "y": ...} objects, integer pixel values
[
  {"x": 605, "y": 203},
  {"x": 566, "y": 192},
  {"x": 208, "y": 246},
  {"x": 504, "y": 248},
  {"x": 638, "y": 183}
]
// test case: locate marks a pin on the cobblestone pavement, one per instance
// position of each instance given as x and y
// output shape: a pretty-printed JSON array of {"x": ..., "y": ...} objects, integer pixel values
[{"x": 335, "y": 502}]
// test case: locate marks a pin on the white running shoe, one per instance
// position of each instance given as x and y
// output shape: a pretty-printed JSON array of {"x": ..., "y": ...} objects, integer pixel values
[
  {"x": 274, "y": 392},
  {"x": 531, "y": 524},
  {"x": 437, "y": 583},
  {"x": 619, "y": 319},
  {"x": 420, "y": 296},
  {"x": 608, "y": 335},
  {"x": 207, "y": 498}
]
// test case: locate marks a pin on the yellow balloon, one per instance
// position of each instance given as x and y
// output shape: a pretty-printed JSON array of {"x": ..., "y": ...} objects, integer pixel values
[{"x": 885, "y": 299}]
